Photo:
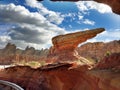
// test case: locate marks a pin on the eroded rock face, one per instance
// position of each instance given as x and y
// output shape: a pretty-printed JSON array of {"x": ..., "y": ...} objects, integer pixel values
[
  {"x": 67, "y": 76},
  {"x": 115, "y": 4},
  {"x": 97, "y": 50},
  {"x": 61, "y": 77},
  {"x": 64, "y": 45},
  {"x": 11, "y": 54},
  {"x": 9, "y": 49},
  {"x": 110, "y": 62}
]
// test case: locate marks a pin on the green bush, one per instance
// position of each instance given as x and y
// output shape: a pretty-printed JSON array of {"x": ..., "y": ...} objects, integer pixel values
[{"x": 108, "y": 53}]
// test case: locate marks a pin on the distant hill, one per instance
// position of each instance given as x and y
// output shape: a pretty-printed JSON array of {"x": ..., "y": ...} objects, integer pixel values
[
  {"x": 98, "y": 50},
  {"x": 92, "y": 51},
  {"x": 11, "y": 54}
]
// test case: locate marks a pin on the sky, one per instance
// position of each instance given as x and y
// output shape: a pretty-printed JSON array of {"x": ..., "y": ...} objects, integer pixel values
[{"x": 32, "y": 23}]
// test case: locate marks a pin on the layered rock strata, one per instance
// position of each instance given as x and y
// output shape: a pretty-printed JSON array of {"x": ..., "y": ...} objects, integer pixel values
[
  {"x": 68, "y": 76},
  {"x": 97, "y": 50},
  {"x": 11, "y": 54},
  {"x": 62, "y": 77},
  {"x": 90, "y": 51},
  {"x": 110, "y": 62},
  {"x": 64, "y": 46}
]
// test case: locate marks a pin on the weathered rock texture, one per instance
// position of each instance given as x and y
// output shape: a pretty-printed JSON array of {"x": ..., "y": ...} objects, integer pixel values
[
  {"x": 66, "y": 76},
  {"x": 97, "y": 50},
  {"x": 114, "y": 4},
  {"x": 11, "y": 54},
  {"x": 90, "y": 51},
  {"x": 63, "y": 77},
  {"x": 110, "y": 62},
  {"x": 64, "y": 46}
]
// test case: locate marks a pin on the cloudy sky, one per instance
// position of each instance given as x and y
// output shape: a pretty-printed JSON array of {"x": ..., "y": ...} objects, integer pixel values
[{"x": 32, "y": 23}]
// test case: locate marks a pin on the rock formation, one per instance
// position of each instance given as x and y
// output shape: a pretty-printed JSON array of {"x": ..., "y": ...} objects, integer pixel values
[
  {"x": 110, "y": 62},
  {"x": 11, "y": 54},
  {"x": 62, "y": 77},
  {"x": 9, "y": 49},
  {"x": 89, "y": 50},
  {"x": 114, "y": 4},
  {"x": 97, "y": 50},
  {"x": 64, "y": 46}
]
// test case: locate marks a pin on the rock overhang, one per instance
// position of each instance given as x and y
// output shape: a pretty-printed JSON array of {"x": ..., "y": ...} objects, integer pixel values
[{"x": 64, "y": 46}]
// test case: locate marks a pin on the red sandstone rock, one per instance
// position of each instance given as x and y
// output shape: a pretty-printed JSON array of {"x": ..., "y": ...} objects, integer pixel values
[
  {"x": 11, "y": 54},
  {"x": 97, "y": 50},
  {"x": 64, "y": 45},
  {"x": 60, "y": 77},
  {"x": 110, "y": 62},
  {"x": 65, "y": 76}
]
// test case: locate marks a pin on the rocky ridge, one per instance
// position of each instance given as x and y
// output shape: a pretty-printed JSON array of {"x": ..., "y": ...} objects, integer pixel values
[
  {"x": 97, "y": 50},
  {"x": 11, "y": 54},
  {"x": 89, "y": 50},
  {"x": 67, "y": 75}
]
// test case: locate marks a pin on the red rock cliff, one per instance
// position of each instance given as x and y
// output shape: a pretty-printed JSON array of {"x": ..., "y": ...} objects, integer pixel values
[
  {"x": 110, "y": 62},
  {"x": 61, "y": 77},
  {"x": 97, "y": 50}
]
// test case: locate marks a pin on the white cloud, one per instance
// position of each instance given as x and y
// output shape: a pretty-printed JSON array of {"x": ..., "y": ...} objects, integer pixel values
[
  {"x": 22, "y": 44},
  {"x": 107, "y": 36},
  {"x": 81, "y": 6},
  {"x": 87, "y": 21},
  {"x": 85, "y": 6},
  {"x": 52, "y": 16},
  {"x": 112, "y": 34},
  {"x": 32, "y": 28},
  {"x": 5, "y": 38},
  {"x": 80, "y": 17},
  {"x": 69, "y": 15}
]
